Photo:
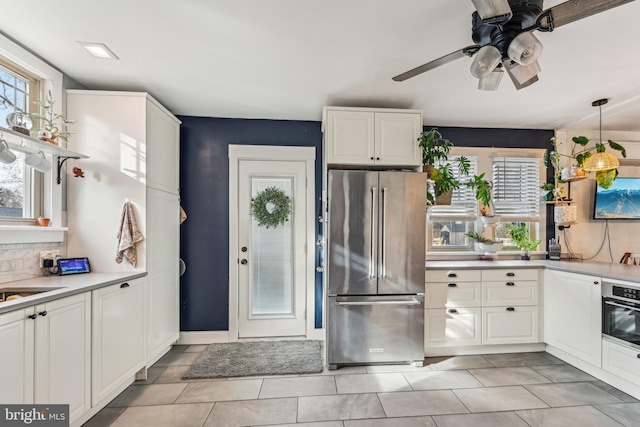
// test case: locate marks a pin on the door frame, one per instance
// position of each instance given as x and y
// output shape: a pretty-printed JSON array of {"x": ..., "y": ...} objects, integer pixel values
[{"x": 279, "y": 153}]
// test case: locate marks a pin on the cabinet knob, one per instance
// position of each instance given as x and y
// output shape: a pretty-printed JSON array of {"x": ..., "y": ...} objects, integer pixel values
[
  {"x": 595, "y": 282},
  {"x": 124, "y": 285},
  {"x": 510, "y": 284},
  {"x": 32, "y": 316},
  {"x": 452, "y": 310},
  {"x": 372, "y": 158},
  {"x": 511, "y": 274},
  {"x": 638, "y": 356},
  {"x": 511, "y": 309},
  {"x": 377, "y": 158},
  {"x": 452, "y": 275},
  {"x": 43, "y": 313},
  {"x": 452, "y": 285}
]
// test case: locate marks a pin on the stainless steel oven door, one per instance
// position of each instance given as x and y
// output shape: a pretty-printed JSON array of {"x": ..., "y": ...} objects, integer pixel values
[{"x": 621, "y": 321}]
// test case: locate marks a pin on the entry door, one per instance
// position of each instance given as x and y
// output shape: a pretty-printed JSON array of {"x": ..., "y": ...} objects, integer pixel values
[{"x": 271, "y": 261}]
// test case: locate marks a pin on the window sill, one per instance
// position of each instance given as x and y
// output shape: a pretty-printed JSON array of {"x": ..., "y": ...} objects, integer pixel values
[
  {"x": 473, "y": 255},
  {"x": 31, "y": 234}
]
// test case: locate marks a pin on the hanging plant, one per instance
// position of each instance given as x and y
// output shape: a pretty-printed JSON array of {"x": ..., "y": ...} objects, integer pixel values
[{"x": 271, "y": 207}]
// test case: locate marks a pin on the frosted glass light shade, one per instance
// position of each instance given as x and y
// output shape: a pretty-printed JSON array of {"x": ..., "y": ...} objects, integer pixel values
[
  {"x": 522, "y": 73},
  {"x": 492, "y": 81},
  {"x": 525, "y": 49},
  {"x": 485, "y": 61},
  {"x": 601, "y": 162}
]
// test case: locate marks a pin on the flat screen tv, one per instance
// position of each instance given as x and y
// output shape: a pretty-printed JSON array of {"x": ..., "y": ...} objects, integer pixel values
[{"x": 621, "y": 201}]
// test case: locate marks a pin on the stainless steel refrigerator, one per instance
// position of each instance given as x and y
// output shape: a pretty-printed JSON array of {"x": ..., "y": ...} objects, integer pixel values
[{"x": 376, "y": 270}]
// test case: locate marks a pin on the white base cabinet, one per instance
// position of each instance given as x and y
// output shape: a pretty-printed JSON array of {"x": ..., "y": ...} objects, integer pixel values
[
  {"x": 510, "y": 325},
  {"x": 46, "y": 354},
  {"x": 118, "y": 339},
  {"x": 573, "y": 314},
  {"x": 621, "y": 361},
  {"x": 452, "y": 327}
]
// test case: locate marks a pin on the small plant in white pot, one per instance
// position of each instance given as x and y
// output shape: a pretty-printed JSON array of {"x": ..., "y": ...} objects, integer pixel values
[{"x": 520, "y": 236}]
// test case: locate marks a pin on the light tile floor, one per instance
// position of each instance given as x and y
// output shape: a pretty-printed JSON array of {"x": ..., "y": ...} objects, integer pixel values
[{"x": 524, "y": 389}]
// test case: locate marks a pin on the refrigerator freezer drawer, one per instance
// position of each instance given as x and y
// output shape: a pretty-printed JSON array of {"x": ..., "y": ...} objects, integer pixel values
[{"x": 376, "y": 329}]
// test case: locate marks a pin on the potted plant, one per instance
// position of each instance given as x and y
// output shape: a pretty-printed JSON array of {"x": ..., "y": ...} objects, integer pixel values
[
  {"x": 520, "y": 236},
  {"x": 435, "y": 149},
  {"x": 54, "y": 125},
  {"x": 485, "y": 244},
  {"x": 483, "y": 188},
  {"x": 444, "y": 181},
  {"x": 548, "y": 192}
]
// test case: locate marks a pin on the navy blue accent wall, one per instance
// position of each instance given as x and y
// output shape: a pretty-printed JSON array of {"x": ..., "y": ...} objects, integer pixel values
[
  {"x": 204, "y": 188},
  {"x": 204, "y": 184}
]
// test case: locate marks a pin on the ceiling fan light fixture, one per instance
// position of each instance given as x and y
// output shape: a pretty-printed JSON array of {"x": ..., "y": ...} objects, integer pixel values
[
  {"x": 492, "y": 81},
  {"x": 522, "y": 73},
  {"x": 485, "y": 61},
  {"x": 525, "y": 49}
]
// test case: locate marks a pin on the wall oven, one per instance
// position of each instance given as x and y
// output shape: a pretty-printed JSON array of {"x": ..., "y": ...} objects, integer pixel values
[{"x": 621, "y": 314}]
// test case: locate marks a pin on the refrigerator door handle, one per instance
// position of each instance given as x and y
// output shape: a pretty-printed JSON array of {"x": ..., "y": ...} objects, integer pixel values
[
  {"x": 372, "y": 263},
  {"x": 383, "y": 237},
  {"x": 400, "y": 302}
]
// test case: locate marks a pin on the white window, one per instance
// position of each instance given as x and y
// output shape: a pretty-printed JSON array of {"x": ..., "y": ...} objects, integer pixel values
[
  {"x": 516, "y": 175},
  {"x": 20, "y": 186},
  {"x": 447, "y": 225}
]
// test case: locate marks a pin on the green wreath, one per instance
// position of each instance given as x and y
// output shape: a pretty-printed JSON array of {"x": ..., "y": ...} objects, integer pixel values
[{"x": 271, "y": 207}]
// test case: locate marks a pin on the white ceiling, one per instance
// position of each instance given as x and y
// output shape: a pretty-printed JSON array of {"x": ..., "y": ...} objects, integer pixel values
[{"x": 286, "y": 59}]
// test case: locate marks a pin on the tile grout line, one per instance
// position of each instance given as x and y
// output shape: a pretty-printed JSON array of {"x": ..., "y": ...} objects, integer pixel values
[{"x": 609, "y": 416}]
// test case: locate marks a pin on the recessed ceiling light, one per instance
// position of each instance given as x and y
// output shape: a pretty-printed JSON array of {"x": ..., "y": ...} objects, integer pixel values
[{"x": 98, "y": 49}]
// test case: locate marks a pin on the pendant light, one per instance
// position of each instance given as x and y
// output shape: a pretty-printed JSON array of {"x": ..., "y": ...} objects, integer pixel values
[{"x": 601, "y": 161}]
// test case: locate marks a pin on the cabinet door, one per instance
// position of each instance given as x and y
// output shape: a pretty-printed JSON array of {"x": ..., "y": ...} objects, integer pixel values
[
  {"x": 515, "y": 292},
  {"x": 396, "y": 139},
  {"x": 621, "y": 361},
  {"x": 349, "y": 137},
  {"x": 510, "y": 325},
  {"x": 453, "y": 294},
  {"x": 118, "y": 340},
  {"x": 573, "y": 315},
  {"x": 452, "y": 327},
  {"x": 16, "y": 357},
  {"x": 63, "y": 353},
  {"x": 163, "y": 239},
  {"x": 163, "y": 149}
]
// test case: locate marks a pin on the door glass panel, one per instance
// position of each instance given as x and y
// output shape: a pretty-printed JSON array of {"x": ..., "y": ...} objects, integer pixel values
[{"x": 271, "y": 258}]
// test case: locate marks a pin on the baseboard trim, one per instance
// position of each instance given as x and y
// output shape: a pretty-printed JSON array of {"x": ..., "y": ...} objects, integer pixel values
[
  {"x": 482, "y": 349},
  {"x": 202, "y": 337}
]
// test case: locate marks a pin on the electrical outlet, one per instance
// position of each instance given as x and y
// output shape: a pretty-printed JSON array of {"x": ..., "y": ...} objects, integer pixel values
[{"x": 48, "y": 255}]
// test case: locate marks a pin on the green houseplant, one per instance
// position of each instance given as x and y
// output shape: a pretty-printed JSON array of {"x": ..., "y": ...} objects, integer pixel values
[
  {"x": 520, "y": 236},
  {"x": 606, "y": 177},
  {"x": 435, "y": 148},
  {"x": 444, "y": 180},
  {"x": 482, "y": 188},
  {"x": 53, "y": 125}
]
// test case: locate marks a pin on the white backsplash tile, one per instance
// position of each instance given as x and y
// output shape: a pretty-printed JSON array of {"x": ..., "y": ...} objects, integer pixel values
[{"x": 21, "y": 261}]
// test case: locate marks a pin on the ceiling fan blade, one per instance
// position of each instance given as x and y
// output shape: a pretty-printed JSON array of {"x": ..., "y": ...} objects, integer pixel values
[
  {"x": 493, "y": 11},
  {"x": 467, "y": 51},
  {"x": 574, "y": 10}
]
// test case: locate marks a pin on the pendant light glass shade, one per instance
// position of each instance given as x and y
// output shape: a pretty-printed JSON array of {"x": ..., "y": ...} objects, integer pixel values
[
  {"x": 601, "y": 162},
  {"x": 485, "y": 61},
  {"x": 525, "y": 49},
  {"x": 492, "y": 81}
]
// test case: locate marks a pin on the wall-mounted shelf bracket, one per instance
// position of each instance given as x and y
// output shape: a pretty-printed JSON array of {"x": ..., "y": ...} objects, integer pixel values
[{"x": 61, "y": 160}]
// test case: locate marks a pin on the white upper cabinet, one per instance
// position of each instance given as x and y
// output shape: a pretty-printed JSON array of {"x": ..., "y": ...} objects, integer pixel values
[
  {"x": 163, "y": 141},
  {"x": 369, "y": 136}
]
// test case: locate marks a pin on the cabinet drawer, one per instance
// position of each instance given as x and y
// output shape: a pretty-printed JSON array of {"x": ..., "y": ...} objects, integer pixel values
[
  {"x": 434, "y": 276},
  {"x": 515, "y": 292},
  {"x": 453, "y": 294},
  {"x": 495, "y": 275},
  {"x": 510, "y": 325},
  {"x": 621, "y": 361},
  {"x": 452, "y": 327}
]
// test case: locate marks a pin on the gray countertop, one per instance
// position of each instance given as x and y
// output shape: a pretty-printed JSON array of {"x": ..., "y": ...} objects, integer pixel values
[
  {"x": 68, "y": 285},
  {"x": 600, "y": 269}
]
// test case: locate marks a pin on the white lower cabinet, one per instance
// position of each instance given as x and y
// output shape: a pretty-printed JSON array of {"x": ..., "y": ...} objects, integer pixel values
[
  {"x": 510, "y": 325},
  {"x": 573, "y": 314},
  {"x": 621, "y": 361},
  {"x": 452, "y": 327},
  {"x": 118, "y": 339},
  {"x": 46, "y": 354}
]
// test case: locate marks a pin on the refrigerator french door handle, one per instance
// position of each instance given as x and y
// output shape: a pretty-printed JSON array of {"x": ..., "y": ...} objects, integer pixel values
[
  {"x": 372, "y": 263},
  {"x": 383, "y": 238},
  {"x": 401, "y": 302}
]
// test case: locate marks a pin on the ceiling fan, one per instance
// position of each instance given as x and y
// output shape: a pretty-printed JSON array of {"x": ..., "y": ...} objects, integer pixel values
[{"x": 502, "y": 31}]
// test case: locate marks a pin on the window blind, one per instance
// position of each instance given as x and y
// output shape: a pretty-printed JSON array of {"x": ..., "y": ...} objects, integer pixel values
[
  {"x": 516, "y": 188},
  {"x": 463, "y": 202}
]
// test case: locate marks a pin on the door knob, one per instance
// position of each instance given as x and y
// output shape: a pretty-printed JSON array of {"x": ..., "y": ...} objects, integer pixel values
[
  {"x": 244, "y": 249},
  {"x": 243, "y": 262}
]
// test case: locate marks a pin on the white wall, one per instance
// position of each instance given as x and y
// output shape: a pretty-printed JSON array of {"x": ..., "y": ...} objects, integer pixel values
[{"x": 586, "y": 236}]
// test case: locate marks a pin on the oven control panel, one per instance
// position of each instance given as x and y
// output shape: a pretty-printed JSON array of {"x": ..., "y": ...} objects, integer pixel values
[{"x": 630, "y": 293}]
